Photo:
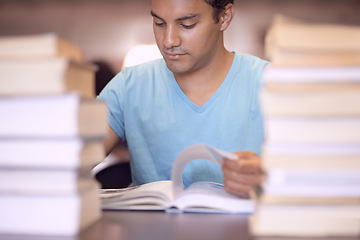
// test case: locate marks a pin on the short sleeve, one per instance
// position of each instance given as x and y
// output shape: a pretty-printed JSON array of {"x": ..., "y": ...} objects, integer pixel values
[{"x": 113, "y": 94}]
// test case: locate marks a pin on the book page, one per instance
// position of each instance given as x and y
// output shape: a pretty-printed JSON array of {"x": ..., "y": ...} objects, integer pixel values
[
  {"x": 195, "y": 152},
  {"x": 156, "y": 194},
  {"x": 211, "y": 197}
]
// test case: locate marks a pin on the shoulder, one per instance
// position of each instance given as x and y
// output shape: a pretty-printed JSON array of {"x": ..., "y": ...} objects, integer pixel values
[
  {"x": 250, "y": 67},
  {"x": 143, "y": 69},
  {"x": 134, "y": 80},
  {"x": 250, "y": 62},
  {"x": 136, "y": 75},
  {"x": 247, "y": 72}
]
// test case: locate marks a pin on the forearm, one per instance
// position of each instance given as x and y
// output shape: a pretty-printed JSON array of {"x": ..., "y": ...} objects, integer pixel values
[{"x": 110, "y": 141}]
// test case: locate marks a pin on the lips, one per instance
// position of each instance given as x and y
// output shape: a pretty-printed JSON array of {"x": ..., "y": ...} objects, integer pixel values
[{"x": 174, "y": 55}]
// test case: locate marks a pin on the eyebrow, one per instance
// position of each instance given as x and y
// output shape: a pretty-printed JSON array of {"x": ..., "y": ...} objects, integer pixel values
[{"x": 189, "y": 16}]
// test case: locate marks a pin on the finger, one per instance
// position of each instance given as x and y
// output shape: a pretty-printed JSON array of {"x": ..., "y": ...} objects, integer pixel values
[
  {"x": 246, "y": 154},
  {"x": 243, "y": 165},
  {"x": 250, "y": 179},
  {"x": 241, "y": 190}
]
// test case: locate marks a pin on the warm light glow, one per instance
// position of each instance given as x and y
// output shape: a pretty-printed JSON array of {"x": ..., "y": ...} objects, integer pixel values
[{"x": 140, "y": 54}]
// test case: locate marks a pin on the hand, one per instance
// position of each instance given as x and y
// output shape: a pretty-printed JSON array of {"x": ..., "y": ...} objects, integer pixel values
[{"x": 242, "y": 175}]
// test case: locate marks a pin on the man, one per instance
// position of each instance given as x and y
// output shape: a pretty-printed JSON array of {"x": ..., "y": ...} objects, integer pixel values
[{"x": 198, "y": 93}]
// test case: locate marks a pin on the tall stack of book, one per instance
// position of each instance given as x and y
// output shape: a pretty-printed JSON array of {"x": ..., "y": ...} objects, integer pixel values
[
  {"x": 311, "y": 106},
  {"x": 51, "y": 127}
]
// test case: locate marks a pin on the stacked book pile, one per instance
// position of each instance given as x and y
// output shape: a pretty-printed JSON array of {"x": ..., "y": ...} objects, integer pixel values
[
  {"x": 311, "y": 106},
  {"x": 51, "y": 127}
]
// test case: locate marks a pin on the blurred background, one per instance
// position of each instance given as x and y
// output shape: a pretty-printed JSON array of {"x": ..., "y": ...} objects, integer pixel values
[{"x": 106, "y": 30}]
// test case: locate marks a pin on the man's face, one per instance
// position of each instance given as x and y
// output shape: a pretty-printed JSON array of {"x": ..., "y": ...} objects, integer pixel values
[{"x": 186, "y": 33}]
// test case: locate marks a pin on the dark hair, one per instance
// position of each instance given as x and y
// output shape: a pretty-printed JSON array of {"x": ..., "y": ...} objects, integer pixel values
[{"x": 218, "y": 6}]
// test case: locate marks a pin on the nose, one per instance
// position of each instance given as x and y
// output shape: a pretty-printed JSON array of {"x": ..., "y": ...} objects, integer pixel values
[{"x": 171, "y": 38}]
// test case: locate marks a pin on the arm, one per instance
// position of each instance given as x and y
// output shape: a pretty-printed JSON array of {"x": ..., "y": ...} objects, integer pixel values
[
  {"x": 109, "y": 144},
  {"x": 243, "y": 175},
  {"x": 110, "y": 141}
]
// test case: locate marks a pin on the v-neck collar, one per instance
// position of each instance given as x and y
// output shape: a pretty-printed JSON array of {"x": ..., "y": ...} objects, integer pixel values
[{"x": 211, "y": 100}]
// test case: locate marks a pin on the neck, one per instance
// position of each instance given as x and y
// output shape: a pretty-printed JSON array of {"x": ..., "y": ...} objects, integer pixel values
[{"x": 201, "y": 84}]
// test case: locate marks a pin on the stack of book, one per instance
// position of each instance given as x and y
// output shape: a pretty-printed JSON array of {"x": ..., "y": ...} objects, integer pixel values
[
  {"x": 51, "y": 127},
  {"x": 311, "y": 106}
]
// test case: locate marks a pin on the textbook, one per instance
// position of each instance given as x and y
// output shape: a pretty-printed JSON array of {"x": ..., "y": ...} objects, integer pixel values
[
  {"x": 340, "y": 157},
  {"x": 312, "y": 183},
  {"x": 170, "y": 195},
  {"x": 39, "y": 76},
  {"x": 50, "y": 153},
  {"x": 294, "y": 42},
  {"x": 38, "y": 45},
  {"x": 293, "y": 33},
  {"x": 313, "y": 130},
  {"x": 51, "y": 128},
  {"x": 45, "y": 181},
  {"x": 310, "y": 75},
  {"x": 62, "y": 115},
  {"x": 62, "y": 214},
  {"x": 306, "y": 220},
  {"x": 311, "y": 103},
  {"x": 312, "y": 59},
  {"x": 311, "y": 119}
]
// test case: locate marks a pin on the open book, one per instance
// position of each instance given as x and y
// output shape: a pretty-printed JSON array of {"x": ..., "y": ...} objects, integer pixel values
[{"x": 171, "y": 196}]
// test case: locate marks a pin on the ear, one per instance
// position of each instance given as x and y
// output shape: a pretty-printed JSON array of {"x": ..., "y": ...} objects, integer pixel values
[{"x": 226, "y": 16}]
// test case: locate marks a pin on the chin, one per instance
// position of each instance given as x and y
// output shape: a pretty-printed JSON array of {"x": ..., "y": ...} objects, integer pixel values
[{"x": 179, "y": 67}]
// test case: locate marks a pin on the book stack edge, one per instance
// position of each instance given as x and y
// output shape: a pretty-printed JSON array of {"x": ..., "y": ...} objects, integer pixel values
[
  {"x": 51, "y": 130},
  {"x": 311, "y": 106}
]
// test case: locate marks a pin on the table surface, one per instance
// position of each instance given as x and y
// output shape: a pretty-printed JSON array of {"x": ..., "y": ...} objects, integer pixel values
[
  {"x": 160, "y": 225},
  {"x": 156, "y": 225}
]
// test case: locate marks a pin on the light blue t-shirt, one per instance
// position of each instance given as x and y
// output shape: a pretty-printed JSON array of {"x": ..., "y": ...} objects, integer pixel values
[{"x": 147, "y": 108}]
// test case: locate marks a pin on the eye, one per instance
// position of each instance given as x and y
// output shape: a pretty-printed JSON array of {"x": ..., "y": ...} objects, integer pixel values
[
  {"x": 159, "y": 23},
  {"x": 186, "y": 26}
]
